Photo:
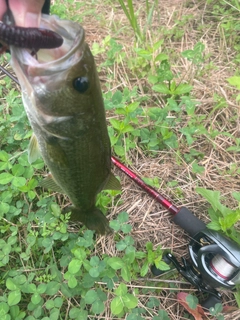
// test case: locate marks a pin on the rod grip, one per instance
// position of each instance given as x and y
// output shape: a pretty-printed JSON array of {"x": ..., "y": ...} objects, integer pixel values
[{"x": 188, "y": 221}]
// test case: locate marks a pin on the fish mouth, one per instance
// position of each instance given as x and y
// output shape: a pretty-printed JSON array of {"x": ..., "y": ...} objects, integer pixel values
[{"x": 48, "y": 61}]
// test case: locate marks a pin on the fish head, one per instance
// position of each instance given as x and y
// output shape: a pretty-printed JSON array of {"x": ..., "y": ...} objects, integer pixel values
[{"x": 60, "y": 85}]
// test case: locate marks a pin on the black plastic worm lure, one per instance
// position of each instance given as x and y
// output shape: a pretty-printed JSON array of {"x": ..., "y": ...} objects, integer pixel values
[{"x": 29, "y": 38}]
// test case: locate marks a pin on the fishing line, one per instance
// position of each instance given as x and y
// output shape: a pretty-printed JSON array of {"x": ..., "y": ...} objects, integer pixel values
[{"x": 9, "y": 75}]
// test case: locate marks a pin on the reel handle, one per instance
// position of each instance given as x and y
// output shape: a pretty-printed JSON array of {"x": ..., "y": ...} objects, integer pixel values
[
  {"x": 188, "y": 221},
  {"x": 211, "y": 301}
]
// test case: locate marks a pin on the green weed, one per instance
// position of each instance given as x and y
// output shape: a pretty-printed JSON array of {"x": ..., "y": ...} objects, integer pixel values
[
  {"x": 62, "y": 266},
  {"x": 132, "y": 16},
  {"x": 222, "y": 217},
  {"x": 235, "y": 81},
  {"x": 226, "y": 13}
]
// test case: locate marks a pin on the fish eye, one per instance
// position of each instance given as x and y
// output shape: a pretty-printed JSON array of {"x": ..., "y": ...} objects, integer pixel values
[{"x": 81, "y": 84}]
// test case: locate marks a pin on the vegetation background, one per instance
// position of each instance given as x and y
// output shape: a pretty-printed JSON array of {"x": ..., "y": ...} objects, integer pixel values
[{"x": 170, "y": 77}]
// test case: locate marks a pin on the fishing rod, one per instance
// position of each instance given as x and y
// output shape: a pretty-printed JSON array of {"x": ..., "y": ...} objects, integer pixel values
[{"x": 214, "y": 259}]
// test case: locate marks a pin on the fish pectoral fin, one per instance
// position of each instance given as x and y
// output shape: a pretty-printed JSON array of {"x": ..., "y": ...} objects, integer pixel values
[
  {"x": 49, "y": 183},
  {"x": 33, "y": 149},
  {"x": 55, "y": 152},
  {"x": 112, "y": 183}
]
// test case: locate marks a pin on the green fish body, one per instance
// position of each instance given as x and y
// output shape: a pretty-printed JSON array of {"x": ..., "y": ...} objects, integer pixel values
[{"x": 63, "y": 100}]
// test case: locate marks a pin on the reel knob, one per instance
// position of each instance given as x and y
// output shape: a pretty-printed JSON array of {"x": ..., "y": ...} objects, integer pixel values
[
  {"x": 157, "y": 272},
  {"x": 211, "y": 301}
]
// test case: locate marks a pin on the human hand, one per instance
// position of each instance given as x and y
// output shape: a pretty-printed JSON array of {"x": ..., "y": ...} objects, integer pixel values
[{"x": 26, "y": 13}]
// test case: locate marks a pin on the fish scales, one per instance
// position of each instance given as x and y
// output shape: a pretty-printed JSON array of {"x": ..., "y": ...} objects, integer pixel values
[{"x": 63, "y": 100}]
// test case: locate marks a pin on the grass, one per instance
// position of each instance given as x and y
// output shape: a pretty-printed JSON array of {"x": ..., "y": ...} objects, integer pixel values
[{"x": 170, "y": 81}]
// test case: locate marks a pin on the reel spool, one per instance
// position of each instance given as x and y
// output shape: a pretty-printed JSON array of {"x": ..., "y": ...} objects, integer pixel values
[
  {"x": 217, "y": 258},
  {"x": 222, "y": 268}
]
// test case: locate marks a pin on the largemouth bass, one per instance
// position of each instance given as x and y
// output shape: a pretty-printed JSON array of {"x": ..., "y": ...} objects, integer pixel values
[{"x": 62, "y": 97}]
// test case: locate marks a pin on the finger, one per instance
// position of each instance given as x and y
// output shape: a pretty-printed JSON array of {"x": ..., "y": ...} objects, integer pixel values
[
  {"x": 3, "y": 8},
  {"x": 27, "y": 13}
]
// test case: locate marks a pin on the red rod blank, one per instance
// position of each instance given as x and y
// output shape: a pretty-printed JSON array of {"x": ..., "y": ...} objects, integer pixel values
[{"x": 151, "y": 191}]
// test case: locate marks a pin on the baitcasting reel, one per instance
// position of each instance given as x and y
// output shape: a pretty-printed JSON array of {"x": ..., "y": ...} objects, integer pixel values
[{"x": 214, "y": 259}]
